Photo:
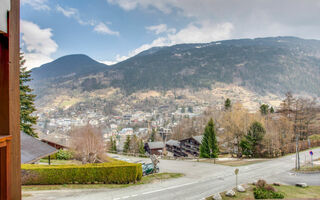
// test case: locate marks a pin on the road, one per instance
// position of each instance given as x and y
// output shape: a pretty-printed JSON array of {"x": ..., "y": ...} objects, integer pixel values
[{"x": 201, "y": 180}]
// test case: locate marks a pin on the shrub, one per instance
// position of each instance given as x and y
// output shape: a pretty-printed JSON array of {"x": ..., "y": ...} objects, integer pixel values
[
  {"x": 270, "y": 188},
  {"x": 117, "y": 172},
  {"x": 261, "y": 183},
  {"x": 64, "y": 155},
  {"x": 262, "y": 193}
]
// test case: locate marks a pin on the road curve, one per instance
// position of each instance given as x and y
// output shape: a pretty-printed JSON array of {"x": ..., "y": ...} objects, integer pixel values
[{"x": 201, "y": 180}]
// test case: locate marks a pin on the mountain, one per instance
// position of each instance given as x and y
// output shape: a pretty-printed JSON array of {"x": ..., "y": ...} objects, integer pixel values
[
  {"x": 77, "y": 65},
  {"x": 263, "y": 65}
]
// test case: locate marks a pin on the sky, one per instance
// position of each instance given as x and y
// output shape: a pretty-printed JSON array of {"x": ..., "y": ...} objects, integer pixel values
[{"x": 111, "y": 31}]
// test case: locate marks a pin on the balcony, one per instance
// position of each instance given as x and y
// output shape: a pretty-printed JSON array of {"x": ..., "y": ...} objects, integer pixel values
[{"x": 4, "y": 166}]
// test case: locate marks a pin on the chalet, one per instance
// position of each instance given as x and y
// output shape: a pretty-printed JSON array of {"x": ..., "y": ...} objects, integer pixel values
[
  {"x": 173, "y": 146},
  {"x": 56, "y": 140},
  {"x": 154, "y": 148},
  {"x": 33, "y": 149},
  {"x": 54, "y": 144},
  {"x": 191, "y": 146},
  {"x": 10, "y": 180},
  {"x": 165, "y": 133}
]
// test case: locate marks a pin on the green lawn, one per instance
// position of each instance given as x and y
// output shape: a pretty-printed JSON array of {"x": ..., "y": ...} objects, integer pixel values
[
  {"x": 145, "y": 180},
  {"x": 289, "y": 191}
]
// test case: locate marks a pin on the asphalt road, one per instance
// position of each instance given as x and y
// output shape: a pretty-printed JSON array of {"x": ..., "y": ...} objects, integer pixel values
[{"x": 201, "y": 180}]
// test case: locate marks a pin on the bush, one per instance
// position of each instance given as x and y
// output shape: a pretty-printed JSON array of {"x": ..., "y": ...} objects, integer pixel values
[
  {"x": 261, "y": 183},
  {"x": 64, "y": 155},
  {"x": 117, "y": 172},
  {"x": 262, "y": 193},
  {"x": 265, "y": 191}
]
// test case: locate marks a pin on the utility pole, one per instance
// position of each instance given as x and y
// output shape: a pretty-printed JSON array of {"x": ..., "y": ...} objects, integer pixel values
[{"x": 297, "y": 153}]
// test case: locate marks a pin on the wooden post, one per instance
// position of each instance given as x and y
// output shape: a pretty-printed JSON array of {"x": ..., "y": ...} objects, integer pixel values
[
  {"x": 49, "y": 161},
  {"x": 10, "y": 105}
]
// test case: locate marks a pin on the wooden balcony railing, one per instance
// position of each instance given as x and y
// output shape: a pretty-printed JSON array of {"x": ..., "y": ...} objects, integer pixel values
[{"x": 5, "y": 142}]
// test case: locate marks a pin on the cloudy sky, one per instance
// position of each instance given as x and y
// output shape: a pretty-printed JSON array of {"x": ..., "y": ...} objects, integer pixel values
[{"x": 113, "y": 30}]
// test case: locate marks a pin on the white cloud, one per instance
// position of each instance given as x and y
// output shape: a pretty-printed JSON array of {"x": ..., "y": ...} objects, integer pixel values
[
  {"x": 161, "y": 28},
  {"x": 162, "y": 5},
  {"x": 97, "y": 27},
  {"x": 68, "y": 12},
  {"x": 250, "y": 18},
  {"x": 104, "y": 29},
  {"x": 74, "y": 13},
  {"x": 202, "y": 32},
  {"x": 37, "y": 43},
  {"x": 36, "y": 4}
]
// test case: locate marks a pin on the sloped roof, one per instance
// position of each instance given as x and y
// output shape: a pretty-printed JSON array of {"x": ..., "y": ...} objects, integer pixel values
[
  {"x": 198, "y": 138},
  {"x": 156, "y": 145},
  {"x": 33, "y": 149},
  {"x": 55, "y": 138},
  {"x": 173, "y": 143}
]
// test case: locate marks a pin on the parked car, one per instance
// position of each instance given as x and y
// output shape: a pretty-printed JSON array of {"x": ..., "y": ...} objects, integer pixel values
[{"x": 149, "y": 169}]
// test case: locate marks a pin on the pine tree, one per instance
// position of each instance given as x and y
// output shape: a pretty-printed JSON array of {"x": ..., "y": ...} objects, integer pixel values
[
  {"x": 26, "y": 101},
  {"x": 271, "y": 110},
  {"x": 264, "y": 109},
  {"x": 250, "y": 143},
  {"x": 126, "y": 147},
  {"x": 227, "y": 104},
  {"x": 142, "y": 151},
  {"x": 113, "y": 146},
  {"x": 153, "y": 135},
  {"x": 209, "y": 146},
  {"x": 204, "y": 147}
]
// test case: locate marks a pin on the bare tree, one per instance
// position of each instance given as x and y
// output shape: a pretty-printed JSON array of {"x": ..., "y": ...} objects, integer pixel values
[{"x": 87, "y": 143}]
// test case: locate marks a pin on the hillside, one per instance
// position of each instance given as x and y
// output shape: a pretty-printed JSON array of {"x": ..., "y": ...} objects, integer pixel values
[
  {"x": 71, "y": 65},
  {"x": 263, "y": 65}
]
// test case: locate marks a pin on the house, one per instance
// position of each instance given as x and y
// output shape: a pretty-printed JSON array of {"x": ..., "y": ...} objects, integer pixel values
[
  {"x": 191, "y": 146},
  {"x": 56, "y": 140},
  {"x": 173, "y": 146},
  {"x": 10, "y": 187},
  {"x": 154, "y": 148},
  {"x": 33, "y": 149},
  {"x": 165, "y": 133},
  {"x": 57, "y": 145}
]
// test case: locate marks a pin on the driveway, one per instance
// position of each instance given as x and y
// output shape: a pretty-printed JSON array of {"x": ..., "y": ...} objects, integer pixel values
[{"x": 201, "y": 180}]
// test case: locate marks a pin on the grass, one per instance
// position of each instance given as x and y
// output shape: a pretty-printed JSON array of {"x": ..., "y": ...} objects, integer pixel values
[
  {"x": 235, "y": 163},
  {"x": 315, "y": 137},
  {"x": 289, "y": 191},
  {"x": 297, "y": 192},
  {"x": 315, "y": 168},
  {"x": 145, "y": 180}
]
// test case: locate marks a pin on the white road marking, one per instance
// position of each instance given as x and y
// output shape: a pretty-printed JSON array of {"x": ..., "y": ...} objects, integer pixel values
[
  {"x": 168, "y": 188},
  {"x": 125, "y": 197}
]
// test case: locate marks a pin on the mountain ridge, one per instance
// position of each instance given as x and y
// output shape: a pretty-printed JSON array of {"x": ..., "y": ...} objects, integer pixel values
[{"x": 263, "y": 65}]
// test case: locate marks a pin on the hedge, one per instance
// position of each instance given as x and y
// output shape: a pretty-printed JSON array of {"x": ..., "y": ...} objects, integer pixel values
[{"x": 107, "y": 173}]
